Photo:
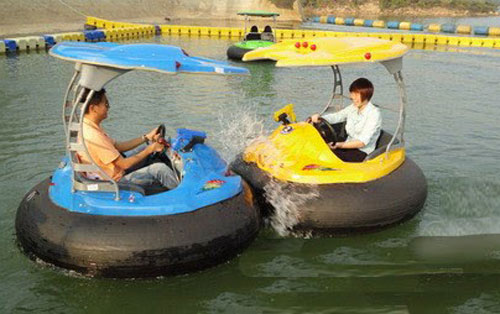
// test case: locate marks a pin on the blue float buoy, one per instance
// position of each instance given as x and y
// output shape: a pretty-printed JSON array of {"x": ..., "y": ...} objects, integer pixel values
[
  {"x": 368, "y": 23},
  {"x": 417, "y": 27},
  {"x": 330, "y": 19},
  {"x": 448, "y": 28},
  {"x": 49, "y": 40},
  {"x": 393, "y": 24},
  {"x": 349, "y": 21},
  {"x": 10, "y": 44},
  {"x": 481, "y": 30}
]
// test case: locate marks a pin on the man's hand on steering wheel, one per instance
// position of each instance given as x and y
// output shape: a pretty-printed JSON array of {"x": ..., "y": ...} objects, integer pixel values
[
  {"x": 156, "y": 147},
  {"x": 153, "y": 135}
]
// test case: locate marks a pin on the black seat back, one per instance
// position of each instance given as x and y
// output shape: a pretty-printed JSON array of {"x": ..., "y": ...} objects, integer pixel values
[
  {"x": 253, "y": 36},
  {"x": 383, "y": 140},
  {"x": 267, "y": 34}
]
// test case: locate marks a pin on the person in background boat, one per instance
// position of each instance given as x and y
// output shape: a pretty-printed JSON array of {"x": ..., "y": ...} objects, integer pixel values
[
  {"x": 363, "y": 123},
  {"x": 253, "y": 34},
  {"x": 107, "y": 153},
  {"x": 267, "y": 34}
]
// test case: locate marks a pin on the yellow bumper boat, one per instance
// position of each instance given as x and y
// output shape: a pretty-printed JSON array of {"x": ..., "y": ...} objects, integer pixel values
[{"x": 384, "y": 189}]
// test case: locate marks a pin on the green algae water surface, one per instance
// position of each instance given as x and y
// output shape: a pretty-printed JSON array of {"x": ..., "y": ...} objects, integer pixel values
[{"x": 445, "y": 260}]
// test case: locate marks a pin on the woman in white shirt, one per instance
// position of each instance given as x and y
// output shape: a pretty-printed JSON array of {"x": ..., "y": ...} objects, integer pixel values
[{"x": 363, "y": 123}]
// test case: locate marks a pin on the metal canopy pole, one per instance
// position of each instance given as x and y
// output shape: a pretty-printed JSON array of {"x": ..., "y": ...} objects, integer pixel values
[
  {"x": 75, "y": 143},
  {"x": 338, "y": 88},
  {"x": 274, "y": 28},
  {"x": 66, "y": 102},
  {"x": 106, "y": 176},
  {"x": 245, "y": 31},
  {"x": 403, "y": 102}
]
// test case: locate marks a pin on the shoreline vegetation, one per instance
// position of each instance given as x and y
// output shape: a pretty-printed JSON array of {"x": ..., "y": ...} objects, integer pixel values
[{"x": 416, "y": 8}]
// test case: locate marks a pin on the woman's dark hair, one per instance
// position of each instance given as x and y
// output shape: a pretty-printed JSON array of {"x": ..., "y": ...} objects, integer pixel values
[
  {"x": 95, "y": 100},
  {"x": 268, "y": 29},
  {"x": 254, "y": 29},
  {"x": 362, "y": 86}
]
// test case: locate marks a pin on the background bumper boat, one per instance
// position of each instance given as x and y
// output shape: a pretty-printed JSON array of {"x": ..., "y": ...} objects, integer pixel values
[
  {"x": 253, "y": 39},
  {"x": 386, "y": 188},
  {"x": 105, "y": 228}
]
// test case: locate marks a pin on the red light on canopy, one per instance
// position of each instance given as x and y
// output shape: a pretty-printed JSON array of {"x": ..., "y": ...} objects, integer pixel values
[
  {"x": 313, "y": 47},
  {"x": 305, "y": 44},
  {"x": 297, "y": 45},
  {"x": 368, "y": 56}
]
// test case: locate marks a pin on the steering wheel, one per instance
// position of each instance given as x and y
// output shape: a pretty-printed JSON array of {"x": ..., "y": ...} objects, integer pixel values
[
  {"x": 326, "y": 131},
  {"x": 161, "y": 130},
  {"x": 161, "y": 139}
]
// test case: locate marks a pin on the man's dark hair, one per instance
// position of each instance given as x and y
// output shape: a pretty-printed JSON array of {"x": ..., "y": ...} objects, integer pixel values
[
  {"x": 95, "y": 100},
  {"x": 364, "y": 87}
]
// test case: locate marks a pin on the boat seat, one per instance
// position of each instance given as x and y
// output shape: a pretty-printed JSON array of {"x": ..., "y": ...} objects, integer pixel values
[
  {"x": 253, "y": 36},
  {"x": 267, "y": 36},
  {"x": 383, "y": 140},
  {"x": 121, "y": 185}
]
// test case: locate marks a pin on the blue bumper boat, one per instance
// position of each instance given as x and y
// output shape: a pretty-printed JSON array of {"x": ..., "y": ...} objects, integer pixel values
[{"x": 109, "y": 229}]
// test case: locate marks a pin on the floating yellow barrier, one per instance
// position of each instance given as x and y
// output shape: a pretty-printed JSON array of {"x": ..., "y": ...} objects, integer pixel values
[
  {"x": 419, "y": 38},
  {"x": 35, "y": 42},
  {"x": 359, "y": 22},
  {"x": 339, "y": 21},
  {"x": 464, "y": 29},
  {"x": 436, "y": 28},
  {"x": 405, "y": 25},
  {"x": 494, "y": 31},
  {"x": 115, "y": 31},
  {"x": 379, "y": 24}
]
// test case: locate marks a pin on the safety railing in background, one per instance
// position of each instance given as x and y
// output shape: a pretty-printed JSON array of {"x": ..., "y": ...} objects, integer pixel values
[
  {"x": 116, "y": 31},
  {"x": 435, "y": 28},
  {"x": 105, "y": 31}
]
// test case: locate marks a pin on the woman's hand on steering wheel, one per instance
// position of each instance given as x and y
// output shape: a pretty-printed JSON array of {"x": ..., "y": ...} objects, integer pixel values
[
  {"x": 314, "y": 118},
  {"x": 336, "y": 145},
  {"x": 326, "y": 131}
]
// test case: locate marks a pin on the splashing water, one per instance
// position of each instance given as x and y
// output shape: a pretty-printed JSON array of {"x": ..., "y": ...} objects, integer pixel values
[
  {"x": 238, "y": 130},
  {"x": 287, "y": 200}
]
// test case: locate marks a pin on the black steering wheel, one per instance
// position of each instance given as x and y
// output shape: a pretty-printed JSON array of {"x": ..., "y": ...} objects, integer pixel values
[
  {"x": 326, "y": 131},
  {"x": 161, "y": 130},
  {"x": 161, "y": 139}
]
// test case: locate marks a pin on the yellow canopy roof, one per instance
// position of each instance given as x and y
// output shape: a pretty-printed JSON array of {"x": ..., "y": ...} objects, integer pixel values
[{"x": 329, "y": 51}]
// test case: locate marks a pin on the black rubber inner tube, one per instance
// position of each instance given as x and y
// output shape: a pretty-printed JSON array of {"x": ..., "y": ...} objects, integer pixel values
[
  {"x": 236, "y": 53},
  {"x": 346, "y": 208},
  {"x": 134, "y": 246}
]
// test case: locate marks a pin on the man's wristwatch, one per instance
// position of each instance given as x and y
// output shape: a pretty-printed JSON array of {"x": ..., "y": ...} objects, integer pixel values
[{"x": 145, "y": 139}]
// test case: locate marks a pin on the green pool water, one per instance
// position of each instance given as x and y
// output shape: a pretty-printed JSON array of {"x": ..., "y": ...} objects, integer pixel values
[{"x": 452, "y": 132}]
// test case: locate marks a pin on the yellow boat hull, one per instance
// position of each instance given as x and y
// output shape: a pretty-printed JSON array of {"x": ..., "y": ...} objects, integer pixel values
[{"x": 297, "y": 153}]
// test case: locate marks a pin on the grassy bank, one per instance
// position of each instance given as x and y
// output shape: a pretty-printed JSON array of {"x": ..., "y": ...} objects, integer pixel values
[
  {"x": 407, "y": 7},
  {"x": 473, "y": 6}
]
